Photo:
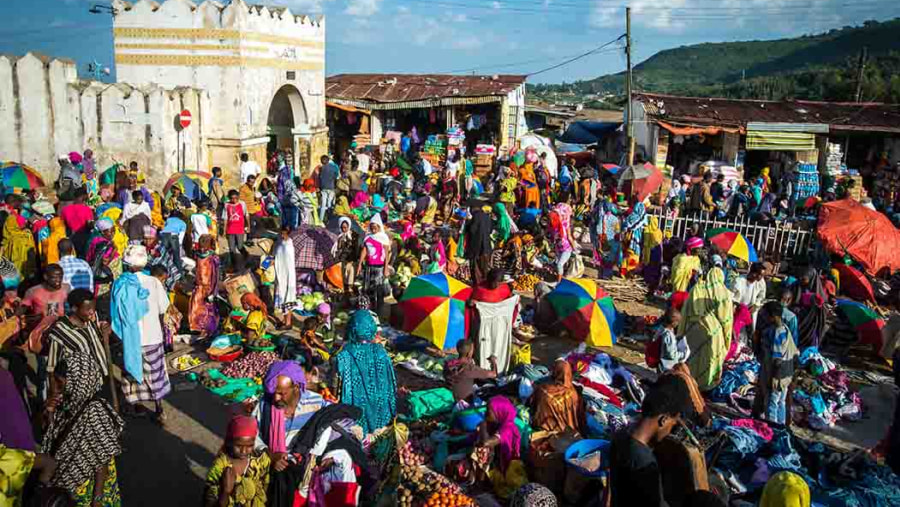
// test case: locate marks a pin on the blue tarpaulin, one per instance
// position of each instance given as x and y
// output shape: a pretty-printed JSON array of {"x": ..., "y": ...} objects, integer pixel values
[{"x": 588, "y": 132}]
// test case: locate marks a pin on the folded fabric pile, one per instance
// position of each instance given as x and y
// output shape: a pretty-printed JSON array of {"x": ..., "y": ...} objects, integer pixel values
[{"x": 824, "y": 392}]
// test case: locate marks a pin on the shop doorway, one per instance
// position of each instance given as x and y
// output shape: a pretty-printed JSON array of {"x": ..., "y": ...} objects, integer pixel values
[{"x": 286, "y": 113}]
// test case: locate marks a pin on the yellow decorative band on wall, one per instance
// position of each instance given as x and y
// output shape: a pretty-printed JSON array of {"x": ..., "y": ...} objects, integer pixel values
[
  {"x": 212, "y": 33},
  {"x": 216, "y": 61},
  {"x": 193, "y": 47}
]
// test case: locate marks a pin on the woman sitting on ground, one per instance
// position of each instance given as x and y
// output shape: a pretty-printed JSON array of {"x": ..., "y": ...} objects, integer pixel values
[
  {"x": 558, "y": 406},
  {"x": 497, "y": 454}
]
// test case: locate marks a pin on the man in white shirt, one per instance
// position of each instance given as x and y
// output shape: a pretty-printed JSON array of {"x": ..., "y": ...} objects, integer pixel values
[
  {"x": 750, "y": 290},
  {"x": 364, "y": 162},
  {"x": 248, "y": 167},
  {"x": 137, "y": 304}
]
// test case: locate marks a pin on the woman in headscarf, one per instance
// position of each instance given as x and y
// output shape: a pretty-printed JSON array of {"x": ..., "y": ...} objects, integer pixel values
[
  {"x": 707, "y": 324},
  {"x": 285, "y": 277},
  {"x": 809, "y": 301},
  {"x": 309, "y": 203},
  {"x": 632, "y": 236},
  {"x": 478, "y": 246},
  {"x": 558, "y": 405},
  {"x": 342, "y": 208},
  {"x": 504, "y": 224},
  {"x": 345, "y": 252},
  {"x": 428, "y": 209},
  {"x": 531, "y": 194},
  {"x": 652, "y": 254},
  {"x": 374, "y": 260},
  {"x": 498, "y": 451},
  {"x": 561, "y": 230},
  {"x": 50, "y": 245},
  {"x": 204, "y": 315},
  {"x": 365, "y": 375},
  {"x": 18, "y": 242},
  {"x": 106, "y": 263},
  {"x": 449, "y": 191},
  {"x": 83, "y": 434},
  {"x": 257, "y": 317},
  {"x": 684, "y": 267}
]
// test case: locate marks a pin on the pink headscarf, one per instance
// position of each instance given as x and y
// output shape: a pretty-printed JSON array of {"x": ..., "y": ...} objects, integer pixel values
[
  {"x": 75, "y": 157},
  {"x": 360, "y": 199},
  {"x": 508, "y": 433}
]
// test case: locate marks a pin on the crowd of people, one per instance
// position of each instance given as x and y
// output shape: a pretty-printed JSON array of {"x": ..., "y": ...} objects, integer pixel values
[{"x": 101, "y": 262}]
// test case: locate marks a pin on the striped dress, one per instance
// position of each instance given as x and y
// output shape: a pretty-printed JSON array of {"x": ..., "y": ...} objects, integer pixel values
[
  {"x": 156, "y": 379},
  {"x": 66, "y": 337}
]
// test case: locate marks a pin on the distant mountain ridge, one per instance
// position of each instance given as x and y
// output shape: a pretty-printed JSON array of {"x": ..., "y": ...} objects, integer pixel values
[{"x": 815, "y": 67}]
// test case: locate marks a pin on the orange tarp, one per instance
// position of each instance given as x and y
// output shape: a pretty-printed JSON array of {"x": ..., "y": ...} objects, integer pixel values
[
  {"x": 866, "y": 235},
  {"x": 696, "y": 130}
]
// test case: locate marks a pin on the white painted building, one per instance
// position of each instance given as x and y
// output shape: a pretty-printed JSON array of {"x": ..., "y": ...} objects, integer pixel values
[{"x": 251, "y": 76}]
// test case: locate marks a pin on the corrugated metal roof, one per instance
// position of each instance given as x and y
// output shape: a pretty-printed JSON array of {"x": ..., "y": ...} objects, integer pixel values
[
  {"x": 848, "y": 116},
  {"x": 411, "y": 88}
]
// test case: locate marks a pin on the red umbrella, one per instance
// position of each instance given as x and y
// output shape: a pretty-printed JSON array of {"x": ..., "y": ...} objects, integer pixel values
[
  {"x": 644, "y": 180},
  {"x": 854, "y": 283},
  {"x": 848, "y": 227}
]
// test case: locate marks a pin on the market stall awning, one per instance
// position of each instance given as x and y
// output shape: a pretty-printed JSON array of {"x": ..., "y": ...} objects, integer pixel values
[
  {"x": 588, "y": 132},
  {"x": 697, "y": 130},
  {"x": 783, "y": 136},
  {"x": 348, "y": 108}
]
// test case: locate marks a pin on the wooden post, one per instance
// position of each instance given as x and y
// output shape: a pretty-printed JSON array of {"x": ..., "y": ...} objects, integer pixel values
[{"x": 628, "y": 85}]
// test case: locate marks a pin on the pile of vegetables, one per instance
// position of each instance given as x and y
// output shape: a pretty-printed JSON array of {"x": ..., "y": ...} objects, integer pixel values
[
  {"x": 421, "y": 486},
  {"x": 311, "y": 302},
  {"x": 402, "y": 277},
  {"x": 424, "y": 361},
  {"x": 526, "y": 283},
  {"x": 254, "y": 364},
  {"x": 445, "y": 498},
  {"x": 340, "y": 319}
]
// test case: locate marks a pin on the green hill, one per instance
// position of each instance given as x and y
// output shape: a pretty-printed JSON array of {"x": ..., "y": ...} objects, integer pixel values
[{"x": 815, "y": 67}]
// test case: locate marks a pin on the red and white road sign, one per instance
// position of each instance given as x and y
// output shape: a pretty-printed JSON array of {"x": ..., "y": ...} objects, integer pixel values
[{"x": 185, "y": 119}]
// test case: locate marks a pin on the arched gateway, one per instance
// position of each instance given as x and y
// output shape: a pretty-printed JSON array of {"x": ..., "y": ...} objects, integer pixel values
[{"x": 262, "y": 71}]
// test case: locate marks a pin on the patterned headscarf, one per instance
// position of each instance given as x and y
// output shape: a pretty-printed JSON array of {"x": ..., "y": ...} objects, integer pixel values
[
  {"x": 362, "y": 327},
  {"x": 84, "y": 433},
  {"x": 507, "y": 431},
  {"x": 533, "y": 495}
]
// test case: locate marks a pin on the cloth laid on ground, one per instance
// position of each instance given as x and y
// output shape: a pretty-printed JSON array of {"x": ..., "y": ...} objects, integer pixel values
[{"x": 495, "y": 332}]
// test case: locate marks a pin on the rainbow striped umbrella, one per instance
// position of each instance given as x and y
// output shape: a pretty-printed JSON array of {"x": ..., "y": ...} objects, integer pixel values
[
  {"x": 864, "y": 320},
  {"x": 733, "y": 243},
  {"x": 434, "y": 308},
  {"x": 17, "y": 176},
  {"x": 586, "y": 310},
  {"x": 193, "y": 184}
]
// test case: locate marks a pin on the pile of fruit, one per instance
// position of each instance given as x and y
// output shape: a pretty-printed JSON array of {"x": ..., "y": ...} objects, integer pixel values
[
  {"x": 254, "y": 364},
  {"x": 419, "y": 485},
  {"x": 526, "y": 283},
  {"x": 444, "y": 498},
  {"x": 411, "y": 454},
  {"x": 186, "y": 362}
]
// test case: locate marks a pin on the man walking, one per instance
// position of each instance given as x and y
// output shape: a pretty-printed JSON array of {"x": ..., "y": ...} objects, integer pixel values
[
  {"x": 328, "y": 175},
  {"x": 248, "y": 167}
]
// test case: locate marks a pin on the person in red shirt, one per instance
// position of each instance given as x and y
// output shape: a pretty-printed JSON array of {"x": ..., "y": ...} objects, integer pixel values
[
  {"x": 237, "y": 224},
  {"x": 42, "y": 305},
  {"x": 78, "y": 217},
  {"x": 492, "y": 290}
]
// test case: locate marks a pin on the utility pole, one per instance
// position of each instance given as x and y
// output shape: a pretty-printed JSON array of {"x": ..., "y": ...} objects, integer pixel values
[
  {"x": 860, "y": 70},
  {"x": 628, "y": 85}
]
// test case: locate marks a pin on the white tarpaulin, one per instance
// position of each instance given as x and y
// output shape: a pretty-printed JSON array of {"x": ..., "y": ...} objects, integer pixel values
[{"x": 541, "y": 145}]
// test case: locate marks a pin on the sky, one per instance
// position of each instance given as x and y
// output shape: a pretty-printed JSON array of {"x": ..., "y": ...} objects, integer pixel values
[{"x": 476, "y": 36}]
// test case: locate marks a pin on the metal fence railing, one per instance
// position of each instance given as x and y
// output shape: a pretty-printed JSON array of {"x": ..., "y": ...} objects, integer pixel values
[{"x": 780, "y": 241}]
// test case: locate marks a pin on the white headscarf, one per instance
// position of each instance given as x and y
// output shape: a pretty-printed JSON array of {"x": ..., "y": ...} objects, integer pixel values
[
  {"x": 379, "y": 236},
  {"x": 136, "y": 256}
]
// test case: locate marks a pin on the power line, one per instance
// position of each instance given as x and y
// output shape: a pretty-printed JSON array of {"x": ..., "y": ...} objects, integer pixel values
[
  {"x": 557, "y": 8},
  {"x": 579, "y": 57},
  {"x": 523, "y": 62}
]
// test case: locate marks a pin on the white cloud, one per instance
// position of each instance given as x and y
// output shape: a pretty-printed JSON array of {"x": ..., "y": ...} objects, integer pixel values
[
  {"x": 403, "y": 9},
  {"x": 677, "y": 16},
  {"x": 301, "y": 6},
  {"x": 496, "y": 5},
  {"x": 362, "y": 7}
]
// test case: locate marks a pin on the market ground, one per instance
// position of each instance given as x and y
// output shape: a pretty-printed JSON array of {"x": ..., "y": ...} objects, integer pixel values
[{"x": 167, "y": 466}]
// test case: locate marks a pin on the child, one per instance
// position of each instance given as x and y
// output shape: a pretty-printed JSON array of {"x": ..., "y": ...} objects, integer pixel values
[
  {"x": 314, "y": 351},
  {"x": 672, "y": 350},
  {"x": 239, "y": 475},
  {"x": 237, "y": 225},
  {"x": 256, "y": 322},
  {"x": 172, "y": 318},
  {"x": 201, "y": 223},
  {"x": 776, "y": 363}
]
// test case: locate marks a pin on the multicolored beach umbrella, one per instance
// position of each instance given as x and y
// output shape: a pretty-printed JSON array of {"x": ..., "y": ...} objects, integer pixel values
[
  {"x": 733, "y": 243},
  {"x": 867, "y": 323},
  {"x": 193, "y": 184},
  {"x": 586, "y": 310},
  {"x": 14, "y": 175},
  {"x": 434, "y": 308}
]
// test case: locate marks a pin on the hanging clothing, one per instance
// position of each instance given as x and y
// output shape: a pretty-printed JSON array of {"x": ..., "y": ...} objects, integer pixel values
[
  {"x": 286, "y": 276},
  {"x": 707, "y": 320},
  {"x": 495, "y": 323},
  {"x": 85, "y": 433}
]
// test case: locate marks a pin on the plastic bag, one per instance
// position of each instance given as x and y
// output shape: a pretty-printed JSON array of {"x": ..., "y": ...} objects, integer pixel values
[
  {"x": 526, "y": 389},
  {"x": 429, "y": 403}
]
